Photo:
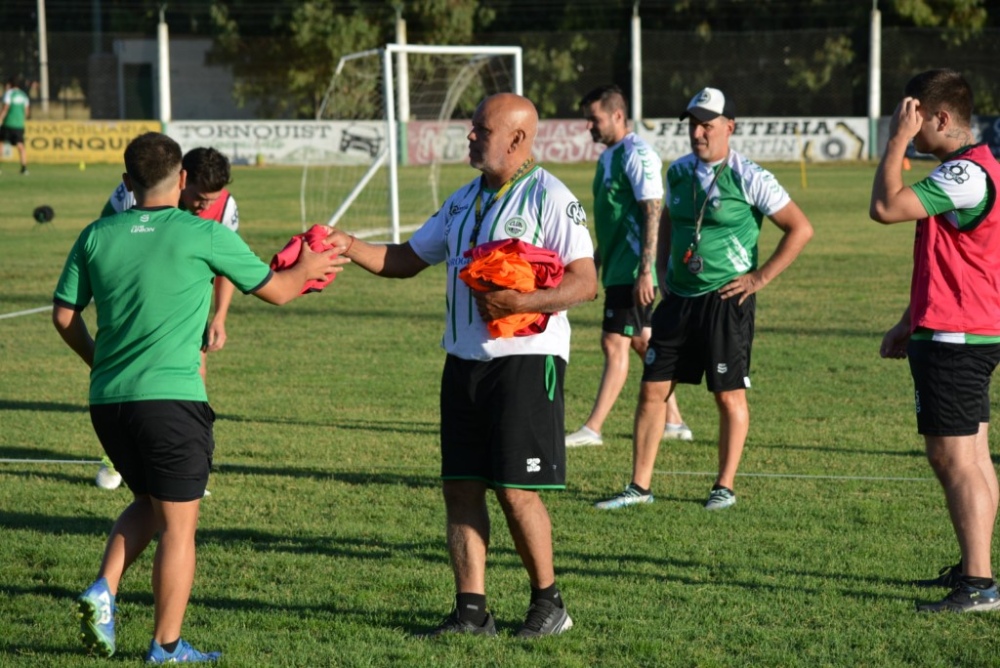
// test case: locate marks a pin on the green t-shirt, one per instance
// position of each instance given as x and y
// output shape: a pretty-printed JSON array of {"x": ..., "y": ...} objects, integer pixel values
[
  {"x": 627, "y": 173},
  {"x": 743, "y": 193},
  {"x": 17, "y": 104},
  {"x": 149, "y": 272}
]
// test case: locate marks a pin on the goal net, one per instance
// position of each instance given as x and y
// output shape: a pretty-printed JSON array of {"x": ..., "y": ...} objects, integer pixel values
[{"x": 393, "y": 125}]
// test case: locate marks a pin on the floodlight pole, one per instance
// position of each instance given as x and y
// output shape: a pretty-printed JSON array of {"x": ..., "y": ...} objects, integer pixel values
[
  {"x": 874, "y": 80},
  {"x": 636, "y": 66},
  {"x": 43, "y": 58},
  {"x": 163, "y": 64}
]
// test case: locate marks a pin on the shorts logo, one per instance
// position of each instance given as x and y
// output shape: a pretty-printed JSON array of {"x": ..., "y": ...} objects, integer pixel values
[
  {"x": 534, "y": 465},
  {"x": 515, "y": 227},
  {"x": 608, "y": 313},
  {"x": 576, "y": 213},
  {"x": 916, "y": 400},
  {"x": 650, "y": 356},
  {"x": 722, "y": 368}
]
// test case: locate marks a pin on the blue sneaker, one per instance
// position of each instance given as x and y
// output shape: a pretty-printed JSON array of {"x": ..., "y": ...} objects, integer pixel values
[
  {"x": 966, "y": 598},
  {"x": 183, "y": 654},
  {"x": 96, "y": 610}
]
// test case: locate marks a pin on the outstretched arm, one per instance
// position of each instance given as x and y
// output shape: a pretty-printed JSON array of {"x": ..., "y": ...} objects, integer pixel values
[
  {"x": 386, "y": 260},
  {"x": 286, "y": 285}
]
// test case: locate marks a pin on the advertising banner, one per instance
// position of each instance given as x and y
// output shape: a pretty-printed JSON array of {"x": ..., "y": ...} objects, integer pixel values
[
  {"x": 771, "y": 139},
  {"x": 82, "y": 141},
  {"x": 557, "y": 141},
  {"x": 284, "y": 142}
]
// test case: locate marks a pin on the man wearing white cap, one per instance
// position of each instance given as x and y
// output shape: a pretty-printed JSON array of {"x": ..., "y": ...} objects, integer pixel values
[{"x": 715, "y": 201}]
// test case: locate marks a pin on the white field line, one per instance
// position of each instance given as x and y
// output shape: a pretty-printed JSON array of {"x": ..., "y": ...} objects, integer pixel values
[
  {"x": 800, "y": 476},
  {"x": 16, "y": 314},
  {"x": 50, "y": 461}
]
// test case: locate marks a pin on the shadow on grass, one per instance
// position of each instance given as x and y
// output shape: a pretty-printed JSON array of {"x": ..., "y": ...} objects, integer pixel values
[
  {"x": 48, "y": 406},
  {"x": 361, "y": 478},
  {"x": 387, "y": 426}
]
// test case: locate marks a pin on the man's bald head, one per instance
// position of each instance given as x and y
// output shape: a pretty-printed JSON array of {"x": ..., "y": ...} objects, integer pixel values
[{"x": 503, "y": 133}]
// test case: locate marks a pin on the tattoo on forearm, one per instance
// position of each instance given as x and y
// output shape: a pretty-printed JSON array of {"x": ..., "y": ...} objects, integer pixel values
[{"x": 651, "y": 211}]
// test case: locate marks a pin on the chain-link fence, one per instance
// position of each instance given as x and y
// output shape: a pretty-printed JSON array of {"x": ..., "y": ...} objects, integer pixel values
[{"x": 774, "y": 73}]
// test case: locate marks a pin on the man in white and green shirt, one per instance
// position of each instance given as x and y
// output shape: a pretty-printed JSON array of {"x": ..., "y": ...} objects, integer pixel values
[
  {"x": 501, "y": 398},
  {"x": 716, "y": 200},
  {"x": 628, "y": 192},
  {"x": 14, "y": 111},
  {"x": 950, "y": 331}
]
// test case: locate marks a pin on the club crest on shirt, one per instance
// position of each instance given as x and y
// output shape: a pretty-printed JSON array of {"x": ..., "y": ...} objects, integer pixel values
[
  {"x": 955, "y": 171},
  {"x": 515, "y": 227},
  {"x": 576, "y": 213}
]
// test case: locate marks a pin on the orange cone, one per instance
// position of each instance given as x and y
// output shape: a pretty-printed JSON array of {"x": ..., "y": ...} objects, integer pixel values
[{"x": 906, "y": 163}]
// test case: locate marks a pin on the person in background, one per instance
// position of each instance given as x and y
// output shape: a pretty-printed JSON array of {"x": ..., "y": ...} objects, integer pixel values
[
  {"x": 704, "y": 326},
  {"x": 628, "y": 192},
  {"x": 15, "y": 108}
]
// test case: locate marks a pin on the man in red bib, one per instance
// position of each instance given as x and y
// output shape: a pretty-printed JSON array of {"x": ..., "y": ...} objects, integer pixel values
[{"x": 950, "y": 331}]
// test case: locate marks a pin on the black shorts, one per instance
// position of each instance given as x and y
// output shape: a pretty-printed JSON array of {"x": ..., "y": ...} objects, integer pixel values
[
  {"x": 621, "y": 314},
  {"x": 502, "y": 421},
  {"x": 162, "y": 448},
  {"x": 705, "y": 335},
  {"x": 951, "y": 383},
  {"x": 12, "y": 136}
]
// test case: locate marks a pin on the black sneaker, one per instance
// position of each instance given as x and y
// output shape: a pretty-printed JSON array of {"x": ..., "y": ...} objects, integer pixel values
[
  {"x": 544, "y": 619},
  {"x": 965, "y": 598},
  {"x": 454, "y": 624},
  {"x": 948, "y": 577}
]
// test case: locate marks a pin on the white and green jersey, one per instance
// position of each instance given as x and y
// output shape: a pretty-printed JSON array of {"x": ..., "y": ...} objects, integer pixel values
[
  {"x": 957, "y": 190},
  {"x": 743, "y": 193},
  {"x": 627, "y": 173},
  {"x": 537, "y": 209},
  {"x": 17, "y": 107}
]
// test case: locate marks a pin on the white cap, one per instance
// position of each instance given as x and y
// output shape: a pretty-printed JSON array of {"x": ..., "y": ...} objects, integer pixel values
[{"x": 708, "y": 104}]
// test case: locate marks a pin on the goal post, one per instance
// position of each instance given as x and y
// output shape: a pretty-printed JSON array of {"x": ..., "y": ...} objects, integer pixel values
[{"x": 364, "y": 171}]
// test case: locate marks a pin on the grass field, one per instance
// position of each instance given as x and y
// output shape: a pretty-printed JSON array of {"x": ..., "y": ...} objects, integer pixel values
[{"x": 323, "y": 541}]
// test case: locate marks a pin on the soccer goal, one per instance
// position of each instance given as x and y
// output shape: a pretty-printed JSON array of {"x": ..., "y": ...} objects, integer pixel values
[{"x": 394, "y": 122}]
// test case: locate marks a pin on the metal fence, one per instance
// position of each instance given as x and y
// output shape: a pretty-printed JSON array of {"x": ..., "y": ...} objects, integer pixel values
[{"x": 775, "y": 73}]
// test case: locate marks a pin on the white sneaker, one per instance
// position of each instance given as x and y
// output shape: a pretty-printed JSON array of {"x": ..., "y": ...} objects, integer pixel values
[
  {"x": 583, "y": 436},
  {"x": 107, "y": 478},
  {"x": 677, "y": 432}
]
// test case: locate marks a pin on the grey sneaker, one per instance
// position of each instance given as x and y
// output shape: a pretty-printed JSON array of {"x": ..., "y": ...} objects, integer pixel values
[
  {"x": 583, "y": 436},
  {"x": 677, "y": 432},
  {"x": 948, "y": 577},
  {"x": 544, "y": 618},
  {"x": 630, "y": 497},
  {"x": 965, "y": 598},
  {"x": 455, "y": 624},
  {"x": 720, "y": 499}
]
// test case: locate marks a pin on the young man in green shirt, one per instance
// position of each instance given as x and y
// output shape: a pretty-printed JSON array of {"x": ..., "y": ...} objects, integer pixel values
[
  {"x": 148, "y": 271},
  {"x": 14, "y": 110}
]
